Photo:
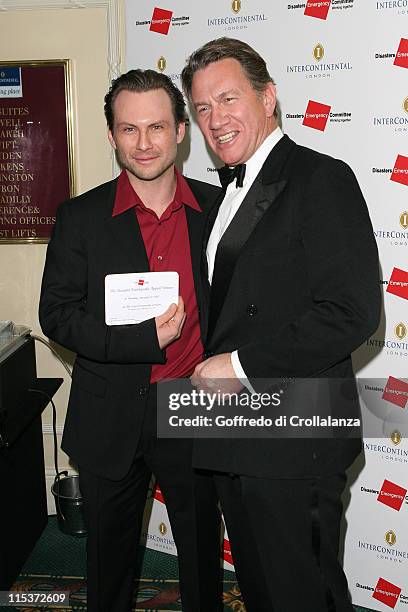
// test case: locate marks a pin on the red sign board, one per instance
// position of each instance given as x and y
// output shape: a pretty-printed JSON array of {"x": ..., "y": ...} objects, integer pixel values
[{"x": 35, "y": 162}]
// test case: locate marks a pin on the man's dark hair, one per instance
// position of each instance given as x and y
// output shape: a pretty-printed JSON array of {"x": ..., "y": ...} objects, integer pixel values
[
  {"x": 141, "y": 81},
  {"x": 252, "y": 64}
]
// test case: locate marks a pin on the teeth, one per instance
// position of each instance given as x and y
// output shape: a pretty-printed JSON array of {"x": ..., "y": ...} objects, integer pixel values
[{"x": 226, "y": 137}]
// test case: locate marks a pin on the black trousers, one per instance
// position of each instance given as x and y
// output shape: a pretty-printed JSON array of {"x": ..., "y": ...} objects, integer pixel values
[
  {"x": 113, "y": 512},
  {"x": 284, "y": 537}
]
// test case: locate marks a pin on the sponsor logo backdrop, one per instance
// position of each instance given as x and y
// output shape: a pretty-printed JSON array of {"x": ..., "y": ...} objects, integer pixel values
[{"x": 341, "y": 69}]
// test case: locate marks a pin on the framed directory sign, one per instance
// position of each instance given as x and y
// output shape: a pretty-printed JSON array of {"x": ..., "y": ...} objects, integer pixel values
[{"x": 36, "y": 155}]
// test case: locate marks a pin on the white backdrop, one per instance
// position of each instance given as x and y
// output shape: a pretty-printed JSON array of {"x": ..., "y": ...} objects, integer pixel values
[{"x": 351, "y": 56}]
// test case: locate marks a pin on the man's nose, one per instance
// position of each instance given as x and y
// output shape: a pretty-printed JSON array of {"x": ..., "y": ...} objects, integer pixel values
[
  {"x": 144, "y": 143},
  {"x": 218, "y": 117}
]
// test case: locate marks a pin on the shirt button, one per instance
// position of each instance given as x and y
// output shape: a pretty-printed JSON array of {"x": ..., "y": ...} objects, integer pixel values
[
  {"x": 142, "y": 391},
  {"x": 252, "y": 310}
]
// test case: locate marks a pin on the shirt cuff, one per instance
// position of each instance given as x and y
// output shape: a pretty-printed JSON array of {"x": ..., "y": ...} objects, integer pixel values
[{"x": 239, "y": 372}]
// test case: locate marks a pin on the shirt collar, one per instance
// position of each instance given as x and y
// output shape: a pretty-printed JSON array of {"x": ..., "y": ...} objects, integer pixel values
[
  {"x": 255, "y": 163},
  {"x": 126, "y": 197}
]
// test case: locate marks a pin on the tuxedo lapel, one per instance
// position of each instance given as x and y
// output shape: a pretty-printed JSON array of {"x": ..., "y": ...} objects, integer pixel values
[
  {"x": 195, "y": 235},
  {"x": 261, "y": 198}
]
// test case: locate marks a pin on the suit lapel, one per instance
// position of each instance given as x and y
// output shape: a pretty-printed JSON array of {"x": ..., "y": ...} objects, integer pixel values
[
  {"x": 262, "y": 197},
  {"x": 127, "y": 234}
]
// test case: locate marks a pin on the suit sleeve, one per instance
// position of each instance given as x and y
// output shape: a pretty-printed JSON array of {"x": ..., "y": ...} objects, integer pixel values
[
  {"x": 64, "y": 314},
  {"x": 341, "y": 264}
]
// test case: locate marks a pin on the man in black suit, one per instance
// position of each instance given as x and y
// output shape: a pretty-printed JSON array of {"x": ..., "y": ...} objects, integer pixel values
[
  {"x": 149, "y": 219},
  {"x": 292, "y": 264}
]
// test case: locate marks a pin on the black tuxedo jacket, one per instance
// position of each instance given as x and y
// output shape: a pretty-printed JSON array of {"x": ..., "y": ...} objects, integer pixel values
[
  {"x": 112, "y": 371},
  {"x": 295, "y": 290}
]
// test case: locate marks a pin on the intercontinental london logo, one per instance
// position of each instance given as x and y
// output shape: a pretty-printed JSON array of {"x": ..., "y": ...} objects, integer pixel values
[
  {"x": 319, "y": 69},
  {"x": 395, "y": 237},
  {"x": 235, "y": 21},
  {"x": 396, "y": 122},
  {"x": 236, "y": 6},
  {"x": 396, "y": 346},
  {"x": 401, "y": 331},
  {"x": 389, "y": 451},
  {"x": 163, "y": 529},
  {"x": 396, "y": 437},
  {"x": 318, "y": 52},
  {"x": 386, "y": 550},
  {"x": 400, "y": 6},
  {"x": 161, "y": 64},
  {"x": 390, "y": 538}
]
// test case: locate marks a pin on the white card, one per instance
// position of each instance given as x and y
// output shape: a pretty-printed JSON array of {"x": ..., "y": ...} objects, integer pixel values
[{"x": 136, "y": 297}]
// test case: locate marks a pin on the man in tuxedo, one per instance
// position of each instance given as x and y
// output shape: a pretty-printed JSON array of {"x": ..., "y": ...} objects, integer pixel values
[
  {"x": 148, "y": 219},
  {"x": 292, "y": 265}
]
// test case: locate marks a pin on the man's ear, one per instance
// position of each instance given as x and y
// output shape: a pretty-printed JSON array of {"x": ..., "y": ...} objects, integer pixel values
[
  {"x": 181, "y": 130},
  {"x": 111, "y": 139},
  {"x": 269, "y": 98}
]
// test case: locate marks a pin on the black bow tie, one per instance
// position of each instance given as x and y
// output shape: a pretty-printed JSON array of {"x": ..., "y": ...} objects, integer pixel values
[{"x": 227, "y": 174}]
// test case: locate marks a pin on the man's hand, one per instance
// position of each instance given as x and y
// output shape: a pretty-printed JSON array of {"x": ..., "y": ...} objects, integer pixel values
[
  {"x": 216, "y": 374},
  {"x": 170, "y": 323}
]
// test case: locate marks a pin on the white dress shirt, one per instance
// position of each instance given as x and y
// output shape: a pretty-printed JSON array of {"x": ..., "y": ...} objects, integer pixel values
[{"x": 232, "y": 201}]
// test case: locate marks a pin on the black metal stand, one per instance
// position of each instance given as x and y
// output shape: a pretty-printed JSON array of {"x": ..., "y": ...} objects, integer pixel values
[{"x": 23, "y": 499}]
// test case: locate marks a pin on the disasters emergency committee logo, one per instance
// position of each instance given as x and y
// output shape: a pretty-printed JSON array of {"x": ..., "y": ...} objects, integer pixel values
[
  {"x": 396, "y": 392},
  {"x": 316, "y": 115},
  {"x": 401, "y": 57},
  {"x": 400, "y": 171},
  {"x": 398, "y": 283},
  {"x": 392, "y": 495},
  {"x": 387, "y": 593},
  {"x": 162, "y": 19},
  {"x": 317, "y": 8}
]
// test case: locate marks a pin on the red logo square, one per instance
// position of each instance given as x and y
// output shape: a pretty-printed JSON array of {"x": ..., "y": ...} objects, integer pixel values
[
  {"x": 400, "y": 172},
  {"x": 387, "y": 593},
  {"x": 140, "y": 281},
  {"x": 157, "y": 494},
  {"x": 396, "y": 392},
  {"x": 161, "y": 21},
  {"x": 401, "y": 57},
  {"x": 392, "y": 495},
  {"x": 316, "y": 115},
  {"x": 317, "y": 8},
  {"x": 227, "y": 552},
  {"x": 398, "y": 283}
]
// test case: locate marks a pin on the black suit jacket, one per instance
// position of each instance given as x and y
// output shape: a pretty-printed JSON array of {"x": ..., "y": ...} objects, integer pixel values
[
  {"x": 299, "y": 288},
  {"x": 112, "y": 371}
]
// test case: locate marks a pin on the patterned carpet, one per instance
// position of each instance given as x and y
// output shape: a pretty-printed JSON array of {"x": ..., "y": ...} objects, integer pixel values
[{"x": 58, "y": 564}]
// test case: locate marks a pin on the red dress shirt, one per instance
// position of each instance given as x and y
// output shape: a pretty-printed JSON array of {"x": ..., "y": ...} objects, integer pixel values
[{"x": 167, "y": 246}]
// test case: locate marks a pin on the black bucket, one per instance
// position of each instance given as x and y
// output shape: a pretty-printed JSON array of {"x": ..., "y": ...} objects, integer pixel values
[{"x": 68, "y": 502}]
